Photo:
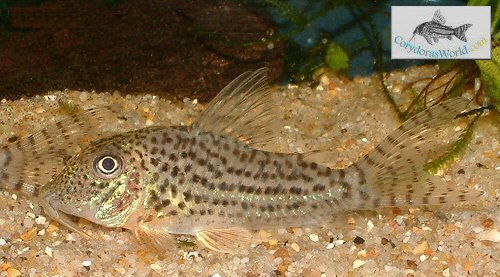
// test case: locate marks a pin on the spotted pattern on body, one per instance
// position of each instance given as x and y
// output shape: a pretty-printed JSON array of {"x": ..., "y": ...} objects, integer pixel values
[{"x": 210, "y": 179}]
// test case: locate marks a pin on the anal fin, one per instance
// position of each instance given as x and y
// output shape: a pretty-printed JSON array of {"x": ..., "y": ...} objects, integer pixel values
[{"x": 229, "y": 240}]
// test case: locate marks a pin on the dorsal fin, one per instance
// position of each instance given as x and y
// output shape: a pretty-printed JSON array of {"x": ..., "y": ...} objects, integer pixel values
[
  {"x": 438, "y": 17},
  {"x": 243, "y": 110},
  {"x": 31, "y": 162}
]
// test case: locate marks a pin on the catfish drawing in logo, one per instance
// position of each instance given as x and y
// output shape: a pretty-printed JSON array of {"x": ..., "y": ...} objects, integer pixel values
[{"x": 435, "y": 29}]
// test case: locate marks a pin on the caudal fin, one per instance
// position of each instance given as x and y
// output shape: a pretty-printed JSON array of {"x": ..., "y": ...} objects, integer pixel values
[
  {"x": 394, "y": 171},
  {"x": 459, "y": 32}
]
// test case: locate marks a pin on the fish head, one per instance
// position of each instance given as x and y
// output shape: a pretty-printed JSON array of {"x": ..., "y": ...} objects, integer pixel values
[
  {"x": 101, "y": 184},
  {"x": 419, "y": 29}
]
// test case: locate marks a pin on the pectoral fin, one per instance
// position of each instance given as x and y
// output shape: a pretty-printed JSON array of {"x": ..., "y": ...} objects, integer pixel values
[
  {"x": 230, "y": 240},
  {"x": 158, "y": 237},
  {"x": 429, "y": 40}
]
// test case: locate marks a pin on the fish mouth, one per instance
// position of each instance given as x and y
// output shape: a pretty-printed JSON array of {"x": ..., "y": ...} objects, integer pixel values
[{"x": 53, "y": 205}]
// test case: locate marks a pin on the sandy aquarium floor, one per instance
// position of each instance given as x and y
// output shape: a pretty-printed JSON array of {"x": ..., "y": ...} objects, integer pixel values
[{"x": 350, "y": 117}]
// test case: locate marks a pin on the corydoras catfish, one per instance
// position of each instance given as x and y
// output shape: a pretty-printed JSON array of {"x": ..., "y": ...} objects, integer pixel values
[
  {"x": 435, "y": 29},
  {"x": 213, "y": 180}
]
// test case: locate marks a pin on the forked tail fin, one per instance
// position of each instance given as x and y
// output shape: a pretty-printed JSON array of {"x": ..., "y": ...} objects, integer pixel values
[
  {"x": 459, "y": 32},
  {"x": 394, "y": 171}
]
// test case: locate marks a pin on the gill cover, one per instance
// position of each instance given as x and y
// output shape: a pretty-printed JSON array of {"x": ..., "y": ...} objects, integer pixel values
[{"x": 116, "y": 208}]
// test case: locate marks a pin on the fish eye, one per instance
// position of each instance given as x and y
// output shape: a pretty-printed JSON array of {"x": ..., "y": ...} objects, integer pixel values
[{"x": 108, "y": 166}]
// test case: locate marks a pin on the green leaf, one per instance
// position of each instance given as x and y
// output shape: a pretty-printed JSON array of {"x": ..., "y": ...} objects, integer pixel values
[
  {"x": 495, "y": 18},
  {"x": 185, "y": 243},
  {"x": 478, "y": 2},
  {"x": 336, "y": 58},
  {"x": 69, "y": 107},
  {"x": 490, "y": 75},
  {"x": 456, "y": 150}
]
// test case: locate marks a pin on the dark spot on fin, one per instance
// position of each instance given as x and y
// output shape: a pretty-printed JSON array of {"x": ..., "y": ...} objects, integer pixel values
[
  {"x": 393, "y": 171},
  {"x": 33, "y": 160}
]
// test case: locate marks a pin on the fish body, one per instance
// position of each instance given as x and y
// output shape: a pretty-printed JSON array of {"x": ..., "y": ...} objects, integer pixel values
[
  {"x": 435, "y": 29},
  {"x": 194, "y": 179},
  {"x": 215, "y": 181}
]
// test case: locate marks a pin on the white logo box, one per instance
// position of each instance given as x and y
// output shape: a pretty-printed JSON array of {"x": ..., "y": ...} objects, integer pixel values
[{"x": 405, "y": 20}]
